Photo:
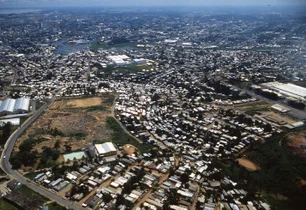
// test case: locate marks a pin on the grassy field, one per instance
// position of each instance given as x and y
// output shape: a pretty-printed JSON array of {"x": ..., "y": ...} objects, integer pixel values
[
  {"x": 31, "y": 175},
  {"x": 55, "y": 206},
  {"x": 29, "y": 192},
  {"x": 6, "y": 206},
  {"x": 120, "y": 137}
]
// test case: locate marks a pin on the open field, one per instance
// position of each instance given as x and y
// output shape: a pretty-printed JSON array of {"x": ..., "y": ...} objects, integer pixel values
[
  {"x": 29, "y": 192},
  {"x": 4, "y": 205},
  {"x": 71, "y": 125},
  {"x": 120, "y": 137},
  {"x": 55, "y": 206},
  {"x": 86, "y": 102},
  {"x": 249, "y": 165},
  {"x": 77, "y": 103}
]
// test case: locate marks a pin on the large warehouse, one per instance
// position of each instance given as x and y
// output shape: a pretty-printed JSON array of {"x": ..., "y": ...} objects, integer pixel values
[
  {"x": 287, "y": 89},
  {"x": 106, "y": 149},
  {"x": 14, "y": 106}
]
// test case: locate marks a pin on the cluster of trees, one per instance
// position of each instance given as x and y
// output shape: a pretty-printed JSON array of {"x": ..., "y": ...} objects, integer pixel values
[
  {"x": 28, "y": 157},
  {"x": 6, "y": 132},
  {"x": 25, "y": 156},
  {"x": 48, "y": 157}
]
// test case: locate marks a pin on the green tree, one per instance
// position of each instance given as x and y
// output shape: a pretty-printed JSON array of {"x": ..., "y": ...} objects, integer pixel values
[{"x": 6, "y": 132}]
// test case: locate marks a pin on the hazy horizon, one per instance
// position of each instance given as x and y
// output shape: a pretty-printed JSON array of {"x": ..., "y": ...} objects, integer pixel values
[{"x": 143, "y": 3}]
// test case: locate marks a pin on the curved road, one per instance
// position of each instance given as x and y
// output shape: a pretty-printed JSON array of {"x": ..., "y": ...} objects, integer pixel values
[
  {"x": 124, "y": 129},
  {"x": 7, "y": 168}
]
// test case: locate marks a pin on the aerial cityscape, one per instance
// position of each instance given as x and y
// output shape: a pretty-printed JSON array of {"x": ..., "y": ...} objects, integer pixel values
[{"x": 157, "y": 107}]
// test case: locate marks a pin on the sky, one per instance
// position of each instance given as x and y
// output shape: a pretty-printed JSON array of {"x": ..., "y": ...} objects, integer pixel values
[{"x": 80, "y": 3}]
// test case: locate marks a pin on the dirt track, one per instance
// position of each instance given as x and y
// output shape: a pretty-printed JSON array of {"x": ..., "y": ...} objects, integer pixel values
[{"x": 249, "y": 165}]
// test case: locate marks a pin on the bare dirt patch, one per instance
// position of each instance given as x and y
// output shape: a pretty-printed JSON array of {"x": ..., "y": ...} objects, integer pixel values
[
  {"x": 249, "y": 165},
  {"x": 86, "y": 102},
  {"x": 77, "y": 103},
  {"x": 297, "y": 143},
  {"x": 130, "y": 149}
]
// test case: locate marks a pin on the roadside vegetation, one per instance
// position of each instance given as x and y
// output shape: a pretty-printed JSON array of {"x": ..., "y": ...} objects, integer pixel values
[{"x": 28, "y": 157}]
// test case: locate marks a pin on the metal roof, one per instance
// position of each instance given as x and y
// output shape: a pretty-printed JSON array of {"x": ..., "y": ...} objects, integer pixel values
[
  {"x": 22, "y": 104},
  {"x": 12, "y": 105},
  {"x": 8, "y": 105},
  {"x": 105, "y": 148}
]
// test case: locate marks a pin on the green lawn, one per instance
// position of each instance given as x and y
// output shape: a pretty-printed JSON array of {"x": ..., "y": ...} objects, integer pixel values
[
  {"x": 4, "y": 205},
  {"x": 55, "y": 206},
  {"x": 29, "y": 192},
  {"x": 31, "y": 175},
  {"x": 120, "y": 137}
]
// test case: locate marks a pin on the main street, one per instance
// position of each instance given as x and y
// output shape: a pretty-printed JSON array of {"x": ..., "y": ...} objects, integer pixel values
[{"x": 7, "y": 168}]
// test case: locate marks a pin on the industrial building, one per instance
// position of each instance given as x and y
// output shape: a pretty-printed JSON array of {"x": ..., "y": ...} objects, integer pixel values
[
  {"x": 287, "y": 89},
  {"x": 106, "y": 149},
  {"x": 14, "y": 106},
  {"x": 119, "y": 60}
]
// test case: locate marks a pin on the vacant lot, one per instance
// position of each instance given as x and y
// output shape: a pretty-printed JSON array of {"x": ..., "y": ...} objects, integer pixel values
[
  {"x": 254, "y": 107},
  {"x": 71, "y": 124},
  {"x": 130, "y": 149},
  {"x": 77, "y": 103},
  {"x": 249, "y": 165},
  {"x": 87, "y": 102}
]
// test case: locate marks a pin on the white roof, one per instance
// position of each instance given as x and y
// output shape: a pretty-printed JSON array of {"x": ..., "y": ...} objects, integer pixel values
[
  {"x": 22, "y": 104},
  {"x": 288, "y": 89},
  {"x": 104, "y": 169},
  {"x": 8, "y": 105},
  {"x": 13, "y": 121},
  {"x": 105, "y": 148},
  {"x": 12, "y": 105}
]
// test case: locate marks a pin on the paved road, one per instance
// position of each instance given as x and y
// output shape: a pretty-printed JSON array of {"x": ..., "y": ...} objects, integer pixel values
[{"x": 7, "y": 168}]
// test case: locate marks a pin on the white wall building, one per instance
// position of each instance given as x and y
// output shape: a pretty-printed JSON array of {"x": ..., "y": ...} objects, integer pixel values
[{"x": 106, "y": 149}]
